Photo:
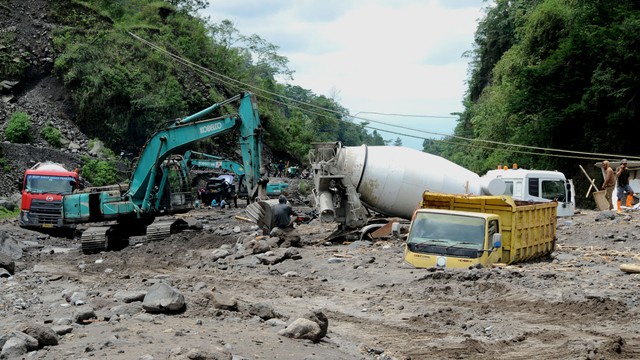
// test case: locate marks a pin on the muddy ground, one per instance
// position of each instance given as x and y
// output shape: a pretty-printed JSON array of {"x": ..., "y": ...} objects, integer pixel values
[{"x": 575, "y": 305}]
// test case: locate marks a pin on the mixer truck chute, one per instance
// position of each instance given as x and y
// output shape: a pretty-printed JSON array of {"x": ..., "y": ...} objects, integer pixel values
[{"x": 149, "y": 193}]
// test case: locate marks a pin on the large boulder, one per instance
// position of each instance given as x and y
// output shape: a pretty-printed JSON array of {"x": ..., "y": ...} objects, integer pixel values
[
  {"x": 45, "y": 335},
  {"x": 313, "y": 326},
  {"x": 9, "y": 246},
  {"x": 7, "y": 204},
  {"x": 163, "y": 298}
]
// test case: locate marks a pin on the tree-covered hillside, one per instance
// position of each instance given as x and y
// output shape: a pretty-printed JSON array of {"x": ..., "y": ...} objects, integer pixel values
[
  {"x": 557, "y": 74},
  {"x": 124, "y": 89}
]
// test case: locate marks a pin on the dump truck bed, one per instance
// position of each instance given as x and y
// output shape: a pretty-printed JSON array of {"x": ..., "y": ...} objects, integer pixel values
[{"x": 528, "y": 229}]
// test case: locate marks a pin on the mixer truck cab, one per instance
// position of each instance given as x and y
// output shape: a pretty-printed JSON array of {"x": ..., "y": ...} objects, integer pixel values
[
  {"x": 42, "y": 188},
  {"x": 537, "y": 186},
  {"x": 462, "y": 231}
]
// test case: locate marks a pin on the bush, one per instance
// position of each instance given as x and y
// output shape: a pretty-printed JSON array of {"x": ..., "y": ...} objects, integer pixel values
[
  {"x": 100, "y": 172},
  {"x": 4, "y": 164},
  {"x": 18, "y": 128},
  {"x": 304, "y": 187},
  {"x": 52, "y": 135}
]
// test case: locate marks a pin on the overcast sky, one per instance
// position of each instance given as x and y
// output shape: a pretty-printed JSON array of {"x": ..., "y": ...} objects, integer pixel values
[{"x": 385, "y": 56}]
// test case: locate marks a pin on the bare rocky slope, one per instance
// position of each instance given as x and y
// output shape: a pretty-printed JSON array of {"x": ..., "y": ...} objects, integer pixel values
[{"x": 39, "y": 94}]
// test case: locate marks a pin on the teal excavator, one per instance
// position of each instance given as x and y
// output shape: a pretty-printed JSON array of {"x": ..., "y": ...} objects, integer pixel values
[{"x": 158, "y": 184}]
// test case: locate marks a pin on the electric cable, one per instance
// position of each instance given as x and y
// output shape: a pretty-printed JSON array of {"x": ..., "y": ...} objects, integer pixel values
[{"x": 228, "y": 80}]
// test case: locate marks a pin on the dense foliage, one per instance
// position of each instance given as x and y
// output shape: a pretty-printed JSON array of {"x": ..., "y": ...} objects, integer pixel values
[
  {"x": 100, "y": 172},
  {"x": 18, "y": 128},
  {"x": 556, "y": 74},
  {"x": 124, "y": 90}
]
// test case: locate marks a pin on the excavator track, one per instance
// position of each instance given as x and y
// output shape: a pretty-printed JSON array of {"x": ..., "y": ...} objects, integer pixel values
[
  {"x": 163, "y": 229},
  {"x": 95, "y": 239}
]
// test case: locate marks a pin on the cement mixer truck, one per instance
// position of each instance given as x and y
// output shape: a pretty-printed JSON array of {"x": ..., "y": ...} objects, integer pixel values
[{"x": 352, "y": 182}]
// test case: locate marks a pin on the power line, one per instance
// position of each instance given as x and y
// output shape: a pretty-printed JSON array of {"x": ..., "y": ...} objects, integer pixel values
[
  {"x": 404, "y": 115},
  {"x": 236, "y": 84}
]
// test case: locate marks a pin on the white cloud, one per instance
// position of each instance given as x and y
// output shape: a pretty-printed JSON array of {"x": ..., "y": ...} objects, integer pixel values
[{"x": 392, "y": 56}]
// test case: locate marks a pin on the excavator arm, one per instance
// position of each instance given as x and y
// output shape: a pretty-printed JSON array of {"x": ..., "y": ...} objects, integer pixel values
[{"x": 213, "y": 162}]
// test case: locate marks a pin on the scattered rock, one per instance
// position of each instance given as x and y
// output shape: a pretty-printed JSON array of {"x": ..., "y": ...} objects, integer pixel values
[
  {"x": 262, "y": 310},
  {"x": 302, "y": 328},
  {"x": 45, "y": 335},
  {"x": 83, "y": 314},
  {"x": 29, "y": 342},
  {"x": 223, "y": 302},
  {"x": 130, "y": 296},
  {"x": 7, "y": 263},
  {"x": 9, "y": 246}
]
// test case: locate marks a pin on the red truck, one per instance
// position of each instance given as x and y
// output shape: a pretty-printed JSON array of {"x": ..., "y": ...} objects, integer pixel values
[{"x": 42, "y": 187}]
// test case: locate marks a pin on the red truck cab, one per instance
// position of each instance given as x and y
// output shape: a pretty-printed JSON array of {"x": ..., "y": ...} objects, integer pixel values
[{"x": 43, "y": 187}]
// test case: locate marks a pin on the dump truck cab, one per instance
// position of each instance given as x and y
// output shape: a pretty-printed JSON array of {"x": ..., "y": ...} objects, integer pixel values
[
  {"x": 453, "y": 239},
  {"x": 461, "y": 231}
]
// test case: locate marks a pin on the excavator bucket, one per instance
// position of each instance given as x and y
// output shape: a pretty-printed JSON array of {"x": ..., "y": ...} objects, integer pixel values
[{"x": 262, "y": 214}]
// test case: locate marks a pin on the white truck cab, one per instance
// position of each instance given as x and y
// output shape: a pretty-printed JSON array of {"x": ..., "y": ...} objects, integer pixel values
[{"x": 537, "y": 185}]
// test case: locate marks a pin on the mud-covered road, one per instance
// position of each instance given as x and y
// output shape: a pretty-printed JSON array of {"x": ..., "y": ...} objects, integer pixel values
[{"x": 576, "y": 305}]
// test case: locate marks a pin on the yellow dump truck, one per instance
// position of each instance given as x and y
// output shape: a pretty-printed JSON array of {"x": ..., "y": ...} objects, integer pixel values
[{"x": 461, "y": 231}]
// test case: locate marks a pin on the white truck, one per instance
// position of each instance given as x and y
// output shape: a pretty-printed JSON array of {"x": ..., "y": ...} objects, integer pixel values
[{"x": 537, "y": 186}]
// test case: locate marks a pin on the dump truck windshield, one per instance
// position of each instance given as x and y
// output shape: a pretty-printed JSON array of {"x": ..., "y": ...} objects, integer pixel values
[
  {"x": 39, "y": 184},
  {"x": 447, "y": 230}
]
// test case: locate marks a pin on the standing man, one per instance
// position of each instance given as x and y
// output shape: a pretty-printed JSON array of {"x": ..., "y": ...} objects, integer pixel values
[
  {"x": 280, "y": 169},
  {"x": 609, "y": 182},
  {"x": 623, "y": 185}
]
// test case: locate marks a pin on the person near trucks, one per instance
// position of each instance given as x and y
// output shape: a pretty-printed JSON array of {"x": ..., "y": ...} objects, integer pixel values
[
  {"x": 623, "y": 185},
  {"x": 283, "y": 214},
  {"x": 609, "y": 182}
]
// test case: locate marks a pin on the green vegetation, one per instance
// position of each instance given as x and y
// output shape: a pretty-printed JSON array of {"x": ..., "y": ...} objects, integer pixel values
[
  {"x": 6, "y": 214},
  {"x": 52, "y": 135},
  {"x": 304, "y": 187},
  {"x": 18, "y": 128},
  {"x": 552, "y": 74},
  {"x": 12, "y": 64},
  {"x": 4, "y": 164},
  {"x": 124, "y": 90},
  {"x": 100, "y": 172}
]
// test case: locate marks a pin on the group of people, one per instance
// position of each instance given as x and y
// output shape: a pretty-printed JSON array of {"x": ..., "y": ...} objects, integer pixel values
[
  {"x": 280, "y": 169},
  {"x": 620, "y": 178},
  {"x": 276, "y": 169}
]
